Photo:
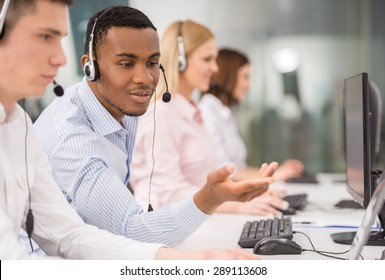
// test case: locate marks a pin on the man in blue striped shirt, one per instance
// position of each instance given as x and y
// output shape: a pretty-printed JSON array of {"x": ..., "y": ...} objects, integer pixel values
[{"x": 88, "y": 135}]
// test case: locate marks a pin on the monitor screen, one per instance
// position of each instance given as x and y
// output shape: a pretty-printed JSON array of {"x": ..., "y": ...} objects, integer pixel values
[
  {"x": 362, "y": 121},
  {"x": 357, "y": 138}
]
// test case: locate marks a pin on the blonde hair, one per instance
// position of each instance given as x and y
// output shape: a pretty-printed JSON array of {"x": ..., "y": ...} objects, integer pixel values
[{"x": 194, "y": 35}]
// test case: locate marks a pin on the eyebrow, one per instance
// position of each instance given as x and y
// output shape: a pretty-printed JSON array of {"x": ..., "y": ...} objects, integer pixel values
[
  {"x": 134, "y": 56},
  {"x": 53, "y": 31}
]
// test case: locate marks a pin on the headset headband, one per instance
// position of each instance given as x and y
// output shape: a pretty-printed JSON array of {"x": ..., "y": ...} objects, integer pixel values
[
  {"x": 182, "y": 59},
  {"x": 3, "y": 13}
]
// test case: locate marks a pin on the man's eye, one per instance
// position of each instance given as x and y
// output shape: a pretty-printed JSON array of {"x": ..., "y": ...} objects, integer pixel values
[
  {"x": 45, "y": 37},
  {"x": 153, "y": 63},
  {"x": 126, "y": 64}
]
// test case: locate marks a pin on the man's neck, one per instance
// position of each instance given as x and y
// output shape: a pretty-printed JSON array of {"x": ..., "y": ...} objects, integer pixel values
[{"x": 7, "y": 103}]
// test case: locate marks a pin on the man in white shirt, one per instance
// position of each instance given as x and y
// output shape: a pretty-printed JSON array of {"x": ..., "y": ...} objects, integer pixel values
[{"x": 30, "y": 55}]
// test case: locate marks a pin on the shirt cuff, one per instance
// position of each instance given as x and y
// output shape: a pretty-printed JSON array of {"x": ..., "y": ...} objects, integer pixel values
[{"x": 188, "y": 215}]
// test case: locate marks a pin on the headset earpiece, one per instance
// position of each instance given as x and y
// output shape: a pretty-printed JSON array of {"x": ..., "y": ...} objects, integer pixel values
[
  {"x": 91, "y": 67},
  {"x": 91, "y": 70},
  {"x": 182, "y": 60}
]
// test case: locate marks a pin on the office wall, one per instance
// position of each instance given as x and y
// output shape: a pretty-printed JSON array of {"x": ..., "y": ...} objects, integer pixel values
[{"x": 333, "y": 40}]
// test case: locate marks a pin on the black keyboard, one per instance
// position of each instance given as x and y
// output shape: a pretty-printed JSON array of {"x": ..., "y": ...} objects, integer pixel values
[
  {"x": 305, "y": 178},
  {"x": 254, "y": 231},
  {"x": 296, "y": 201}
]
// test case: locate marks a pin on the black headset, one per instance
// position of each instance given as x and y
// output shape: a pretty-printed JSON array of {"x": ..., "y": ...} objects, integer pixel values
[
  {"x": 3, "y": 13},
  {"x": 182, "y": 60}
]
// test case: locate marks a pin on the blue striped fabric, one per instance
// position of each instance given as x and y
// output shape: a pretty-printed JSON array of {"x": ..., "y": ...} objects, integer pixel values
[{"x": 90, "y": 153}]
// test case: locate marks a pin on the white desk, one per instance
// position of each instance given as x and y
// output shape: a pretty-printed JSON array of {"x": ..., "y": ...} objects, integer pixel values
[{"x": 223, "y": 230}]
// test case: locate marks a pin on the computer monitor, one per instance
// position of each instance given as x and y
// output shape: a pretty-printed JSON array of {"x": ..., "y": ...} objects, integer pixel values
[{"x": 362, "y": 125}]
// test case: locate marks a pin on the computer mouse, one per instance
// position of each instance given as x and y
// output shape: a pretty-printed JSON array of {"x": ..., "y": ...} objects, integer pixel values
[
  {"x": 289, "y": 211},
  {"x": 276, "y": 246},
  {"x": 306, "y": 178}
]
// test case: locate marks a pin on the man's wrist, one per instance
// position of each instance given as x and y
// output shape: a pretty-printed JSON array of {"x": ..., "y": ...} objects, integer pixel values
[{"x": 204, "y": 201}]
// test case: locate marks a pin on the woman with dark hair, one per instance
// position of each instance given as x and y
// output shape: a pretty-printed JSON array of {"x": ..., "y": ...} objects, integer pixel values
[{"x": 229, "y": 87}]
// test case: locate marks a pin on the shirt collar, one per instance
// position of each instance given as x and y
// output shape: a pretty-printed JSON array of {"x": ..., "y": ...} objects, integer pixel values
[
  {"x": 103, "y": 122},
  {"x": 223, "y": 110},
  {"x": 7, "y": 116}
]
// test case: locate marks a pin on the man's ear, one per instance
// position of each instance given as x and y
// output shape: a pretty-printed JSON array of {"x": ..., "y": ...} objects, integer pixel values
[{"x": 84, "y": 59}]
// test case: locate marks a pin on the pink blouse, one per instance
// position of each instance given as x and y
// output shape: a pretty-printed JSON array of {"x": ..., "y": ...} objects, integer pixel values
[{"x": 183, "y": 152}]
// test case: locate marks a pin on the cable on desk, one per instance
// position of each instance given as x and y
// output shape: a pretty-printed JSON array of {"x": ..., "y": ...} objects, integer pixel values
[{"x": 323, "y": 253}]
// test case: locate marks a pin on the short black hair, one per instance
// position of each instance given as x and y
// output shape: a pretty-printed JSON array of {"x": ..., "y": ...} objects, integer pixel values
[{"x": 121, "y": 16}]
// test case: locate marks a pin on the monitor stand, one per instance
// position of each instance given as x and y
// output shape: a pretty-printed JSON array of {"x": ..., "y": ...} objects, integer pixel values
[
  {"x": 348, "y": 204},
  {"x": 375, "y": 239}
]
